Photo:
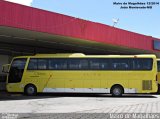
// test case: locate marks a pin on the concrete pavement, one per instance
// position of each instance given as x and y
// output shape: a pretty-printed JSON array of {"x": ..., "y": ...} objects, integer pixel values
[{"x": 79, "y": 103}]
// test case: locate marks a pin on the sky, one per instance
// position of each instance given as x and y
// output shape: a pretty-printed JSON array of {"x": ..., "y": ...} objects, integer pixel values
[{"x": 142, "y": 21}]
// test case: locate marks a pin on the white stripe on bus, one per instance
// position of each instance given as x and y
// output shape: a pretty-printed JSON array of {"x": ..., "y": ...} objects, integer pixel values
[{"x": 85, "y": 90}]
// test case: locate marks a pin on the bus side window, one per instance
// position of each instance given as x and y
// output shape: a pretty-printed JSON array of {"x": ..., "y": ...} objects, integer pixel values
[
  {"x": 32, "y": 64},
  {"x": 99, "y": 64},
  {"x": 57, "y": 64},
  {"x": 78, "y": 64},
  {"x": 138, "y": 64},
  {"x": 73, "y": 64},
  {"x": 142, "y": 64},
  {"x": 42, "y": 64},
  {"x": 120, "y": 64},
  {"x": 52, "y": 64},
  {"x": 95, "y": 64},
  {"x": 83, "y": 64}
]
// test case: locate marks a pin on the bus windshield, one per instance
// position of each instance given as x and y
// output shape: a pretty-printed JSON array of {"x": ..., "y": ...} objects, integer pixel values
[{"x": 16, "y": 70}]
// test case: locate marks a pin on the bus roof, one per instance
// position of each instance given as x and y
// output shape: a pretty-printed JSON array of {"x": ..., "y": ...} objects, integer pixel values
[{"x": 81, "y": 55}]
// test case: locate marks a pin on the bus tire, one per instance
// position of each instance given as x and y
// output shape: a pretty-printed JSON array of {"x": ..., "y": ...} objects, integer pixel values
[
  {"x": 30, "y": 90},
  {"x": 117, "y": 91}
]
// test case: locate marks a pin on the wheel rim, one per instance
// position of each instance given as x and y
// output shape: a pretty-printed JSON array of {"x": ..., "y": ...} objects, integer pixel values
[
  {"x": 30, "y": 90},
  {"x": 116, "y": 91}
]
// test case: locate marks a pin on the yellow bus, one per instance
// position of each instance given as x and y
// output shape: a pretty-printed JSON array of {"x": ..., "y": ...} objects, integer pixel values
[
  {"x": 80, "y": 73},
  {"x": 158, "y": 74}
]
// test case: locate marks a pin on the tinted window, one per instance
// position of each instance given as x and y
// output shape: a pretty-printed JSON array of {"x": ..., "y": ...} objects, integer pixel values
[
  {"x": 91, "y": 64},
  {"x": 16, "y": 70},
  {"x": 58, "y": 64},
  {"x": 32, "y": 64},
  {"x": 99, "y": 64},
  {"x": 42, "y": 64},
  {"x": 142, "y": 64},
  {"x": 37, "y": 64},
  {"x": 78, "y": 64},
  {"x": 120, "y": 64},
  {"x": 19, "y": 63}
]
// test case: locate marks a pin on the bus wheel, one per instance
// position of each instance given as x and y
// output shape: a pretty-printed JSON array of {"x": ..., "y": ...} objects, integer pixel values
[
  {"x": 30, "y": 90},
  {"x": 117, "y": 91}
]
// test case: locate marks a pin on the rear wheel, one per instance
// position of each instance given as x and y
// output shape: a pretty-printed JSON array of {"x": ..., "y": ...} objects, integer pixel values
[
  {"x": 117, "y": 91},
  {"x": 30, "y": 90}
]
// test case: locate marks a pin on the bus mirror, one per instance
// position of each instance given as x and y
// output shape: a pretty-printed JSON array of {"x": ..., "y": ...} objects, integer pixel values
[{"x": 5, "y": 68}]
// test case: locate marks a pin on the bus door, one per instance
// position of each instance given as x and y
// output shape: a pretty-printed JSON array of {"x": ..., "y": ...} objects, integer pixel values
[{"x": 16, "y": 74}]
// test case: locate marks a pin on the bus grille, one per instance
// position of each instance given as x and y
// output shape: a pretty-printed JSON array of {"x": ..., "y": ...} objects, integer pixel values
[{"x": 147, "y": 85}]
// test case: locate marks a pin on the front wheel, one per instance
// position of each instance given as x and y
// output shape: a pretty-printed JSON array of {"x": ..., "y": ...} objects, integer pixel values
[
  {"x": 30, "y": 90},
  {"x": 117, "y": 91}
]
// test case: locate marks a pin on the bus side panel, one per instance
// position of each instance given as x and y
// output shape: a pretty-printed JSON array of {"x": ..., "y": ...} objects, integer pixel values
[
  {"x": 137, "y": 78},
  {"x": 75, "y": 81},
  {"x": 117, "y": 77},
  {"x": 57, "y": 80},
  {"x": 37, "y": 77},
  {"x": 64, "y": 81},
  {"x": 69, "y": 81},
  {"x": 15, "y": 87},
  {"x": 92, "y": 79}
]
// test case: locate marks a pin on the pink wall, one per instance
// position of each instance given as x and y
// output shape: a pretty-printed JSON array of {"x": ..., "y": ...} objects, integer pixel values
[{"x": 19, "y": 16}]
